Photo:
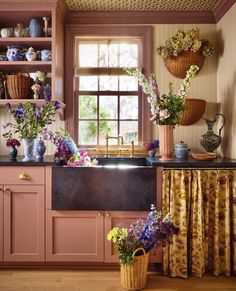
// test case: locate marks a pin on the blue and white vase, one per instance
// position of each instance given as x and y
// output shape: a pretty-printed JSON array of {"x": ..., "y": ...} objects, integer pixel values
[
  {"x": 28, "y": 144},
  {"x": 40, "y": 149},
  {"x": 152, "y": 153},
  {"x": 46, "y": 55}
]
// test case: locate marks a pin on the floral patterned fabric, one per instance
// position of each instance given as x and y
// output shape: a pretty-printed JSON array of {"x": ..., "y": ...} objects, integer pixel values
[{"x": 203, "y": 205}]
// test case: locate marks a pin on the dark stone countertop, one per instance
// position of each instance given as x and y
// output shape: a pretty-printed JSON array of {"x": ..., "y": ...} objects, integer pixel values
[{"x": 190, "y": 163}]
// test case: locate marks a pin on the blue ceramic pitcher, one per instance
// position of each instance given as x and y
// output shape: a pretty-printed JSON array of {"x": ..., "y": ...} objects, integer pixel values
[{"x": 36, "y": 27}]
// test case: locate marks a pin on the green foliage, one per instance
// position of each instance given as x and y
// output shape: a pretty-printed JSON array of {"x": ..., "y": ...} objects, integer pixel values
[{"x": 185, "y": 40}]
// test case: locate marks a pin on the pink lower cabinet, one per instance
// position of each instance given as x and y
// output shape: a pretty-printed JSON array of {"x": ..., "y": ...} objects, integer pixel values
[
  {"x": 1, "y": 223},
  {"x": 74, "y": 236},
  {"x": 125, "y": 219},
  {"x": 24, "y": 223}
]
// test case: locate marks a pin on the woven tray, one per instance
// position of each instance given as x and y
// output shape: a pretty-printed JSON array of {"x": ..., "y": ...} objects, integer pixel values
[{"x": 204, "y": 156}]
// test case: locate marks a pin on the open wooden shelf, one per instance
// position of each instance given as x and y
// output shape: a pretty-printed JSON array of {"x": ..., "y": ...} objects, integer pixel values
[{"x": 25, "y": 66}]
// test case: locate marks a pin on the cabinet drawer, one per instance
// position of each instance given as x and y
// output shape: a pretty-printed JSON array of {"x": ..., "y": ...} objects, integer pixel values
[{"x": 21, "y": 175}]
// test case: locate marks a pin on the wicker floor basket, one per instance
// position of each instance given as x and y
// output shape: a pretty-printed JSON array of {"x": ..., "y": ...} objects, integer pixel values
[
  {"x": 19, "y": 86},
  {"x": 134, "y": 275},
  {"x": 178, "y": 66},
  {"x": 195, "y": 108}
]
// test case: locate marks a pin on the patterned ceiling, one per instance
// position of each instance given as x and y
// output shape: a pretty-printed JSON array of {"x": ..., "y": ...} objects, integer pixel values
[{"x": 141, "y": 5}]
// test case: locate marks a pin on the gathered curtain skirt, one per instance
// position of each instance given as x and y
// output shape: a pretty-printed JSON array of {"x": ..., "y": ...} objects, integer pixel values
[{"x": 203, "y": 205}]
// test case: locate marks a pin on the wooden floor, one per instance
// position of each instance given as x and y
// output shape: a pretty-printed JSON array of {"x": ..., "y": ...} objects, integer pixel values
[{"x": 103, "y": 280}]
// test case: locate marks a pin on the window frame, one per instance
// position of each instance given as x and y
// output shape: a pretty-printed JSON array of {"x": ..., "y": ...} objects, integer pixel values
[{"x": 144, "y": 33}]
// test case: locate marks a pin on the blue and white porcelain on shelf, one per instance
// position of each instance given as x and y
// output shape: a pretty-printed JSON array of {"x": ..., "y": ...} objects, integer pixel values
[
  {"x": 46, "y": 55},
  {"x": 28, "y": 144},
  {"x": 182, "y": 150},
  {"x": 15, "y": 53},
  {"x": 36, "y": 27},
  {"x": 3, "y": 58},
  {"x": 30, "y": 54}
]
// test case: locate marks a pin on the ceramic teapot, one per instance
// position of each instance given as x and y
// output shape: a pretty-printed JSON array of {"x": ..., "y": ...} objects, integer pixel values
[
  {"x": 15, "y": 53},
  {"x": 30, "y": 54},
  {"x": 210, "y": 141}
]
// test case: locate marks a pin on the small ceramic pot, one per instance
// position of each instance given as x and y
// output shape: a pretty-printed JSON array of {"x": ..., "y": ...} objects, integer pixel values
[
  {"x": 30, "y": 54},
  {"x": 36, "y": 28},
  {"x": 46, "y": 55},
  {"x": 40, "y": 149},
  {"x": 38, "y": 55},
  {"x": 181, "y": 151},
  {"x": 13, "y": 153},
  {"x": 7, "y": 32},
  {"x": 3, "y": 58},
  {"x": 19, "y": 30},
  {"x": 152, "y": 153}
]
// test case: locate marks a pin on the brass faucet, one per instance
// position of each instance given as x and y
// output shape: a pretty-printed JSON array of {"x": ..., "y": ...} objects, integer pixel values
[
  {"x": 132, "y": 149},
  {"x": 119, "y": 138}
]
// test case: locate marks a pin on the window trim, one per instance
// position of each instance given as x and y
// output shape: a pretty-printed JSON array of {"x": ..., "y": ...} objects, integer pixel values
[{"x": 145, "y": 33}]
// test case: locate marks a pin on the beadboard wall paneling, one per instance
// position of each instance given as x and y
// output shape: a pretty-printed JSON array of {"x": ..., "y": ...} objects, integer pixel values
[
  {"x": 203, "y": 85},
  {"x": 226, "y": 79},
  {"x": 5, "y": 117}
]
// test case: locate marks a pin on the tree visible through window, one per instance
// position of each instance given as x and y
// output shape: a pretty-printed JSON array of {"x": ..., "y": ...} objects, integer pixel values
[{"x": 108, "y": 99}]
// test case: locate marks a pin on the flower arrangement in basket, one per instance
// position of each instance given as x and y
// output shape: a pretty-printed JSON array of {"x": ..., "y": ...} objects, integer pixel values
[
  {"x": 134, "y": 244},
  {"x": 183, "y": 49}
]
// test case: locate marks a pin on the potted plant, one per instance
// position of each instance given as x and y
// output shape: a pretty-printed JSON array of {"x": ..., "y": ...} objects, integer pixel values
[
  {"x": 30, "y": 119},
  {"x": 167, "y": 109},
  {"x": 134, "y": 244},
  {"x": 183, "y": 49},
  {"x": 12, "y": 143}
]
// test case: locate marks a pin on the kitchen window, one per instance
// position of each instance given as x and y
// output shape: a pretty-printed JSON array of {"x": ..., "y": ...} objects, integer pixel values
[{"x": 106, "y": 99}]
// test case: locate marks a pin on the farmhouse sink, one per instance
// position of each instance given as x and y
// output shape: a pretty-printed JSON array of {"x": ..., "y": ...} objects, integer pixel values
[{"x": 128, "y": 188}]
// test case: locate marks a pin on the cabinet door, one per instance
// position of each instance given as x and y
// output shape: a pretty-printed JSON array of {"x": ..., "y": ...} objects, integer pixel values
[
  {"x": 124, "y": 219},
  {"x": 1, "y": 223},
  {"x": 24, "y": 223},
  {"x": 74, "y": 236}
]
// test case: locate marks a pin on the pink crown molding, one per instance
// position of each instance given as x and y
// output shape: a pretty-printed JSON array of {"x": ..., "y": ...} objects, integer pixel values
[{"x": 222, "y": 8}]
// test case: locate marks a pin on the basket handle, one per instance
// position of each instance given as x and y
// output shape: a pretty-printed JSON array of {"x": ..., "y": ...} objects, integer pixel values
[
  {"x": 24, "y": 73},
  {"x": 138, "y": 249}
]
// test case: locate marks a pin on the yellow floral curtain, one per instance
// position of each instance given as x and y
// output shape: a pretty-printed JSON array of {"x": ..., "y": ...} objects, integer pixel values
[{"x": 203, "y": 205}]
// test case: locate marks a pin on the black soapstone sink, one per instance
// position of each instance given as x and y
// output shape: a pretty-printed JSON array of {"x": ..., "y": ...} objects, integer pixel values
[
  {"x": 102, "y": 188},
  {"x": 136, "y": 161}
]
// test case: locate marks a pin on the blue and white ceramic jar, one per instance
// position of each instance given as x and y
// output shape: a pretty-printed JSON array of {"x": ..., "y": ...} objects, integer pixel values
[
  {"x": 40, "y": 149},
  {"x": 181, "y": 151},
  {"x": 46, "y": 55},
  {"x": 15, "y": 53}
]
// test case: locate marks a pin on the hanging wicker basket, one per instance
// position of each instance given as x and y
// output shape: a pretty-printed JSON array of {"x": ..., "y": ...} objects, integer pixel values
[
  {"x": 19, "y": 86},
  {"x": 195, "y": 109},
  {"x": 134, "y": 275},
  {"x": 178, "y": 66}
]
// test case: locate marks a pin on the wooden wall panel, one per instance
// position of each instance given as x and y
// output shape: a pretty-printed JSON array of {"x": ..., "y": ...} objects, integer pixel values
[{"x": 226, "y": 79}]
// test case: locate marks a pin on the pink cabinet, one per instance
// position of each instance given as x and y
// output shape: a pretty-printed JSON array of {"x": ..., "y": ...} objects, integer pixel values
[
  {"x": 125, "y": 219},
  {"x": 1, "y": 223},
  {"x": 74, "y": 236},
  {"x": 23, "y": 223}
]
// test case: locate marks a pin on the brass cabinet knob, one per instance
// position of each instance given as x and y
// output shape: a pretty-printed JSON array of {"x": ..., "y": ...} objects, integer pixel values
[
  {"x": 107, "y": 214},
  {"x": 24, "y": 176},
  {"x": 6, "y": 190},
  {"x": 100, "y": 213}
]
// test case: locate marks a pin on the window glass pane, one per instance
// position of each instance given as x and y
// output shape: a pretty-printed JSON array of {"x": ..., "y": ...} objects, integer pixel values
[
  {"x": 109, "y": 127},
  {"x": 88, "y": 83},
  {"x": 87, "y": 107},
  {"x": 108, "y": 83},
  {"x": 129, "y": 107},
  {"x": 128, "y": 83},
  {"x": 87, "y": 132},
  {"x": 113, "y": 55},
  {"x": 129, "y": 131},
  {"x": 103, "y": 55},
  {"x": 128, "y": 55},
  {"x": 88, "y": 55},
  {"x": 108, "y": 107}
]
